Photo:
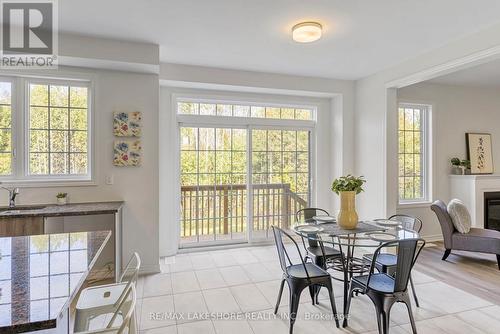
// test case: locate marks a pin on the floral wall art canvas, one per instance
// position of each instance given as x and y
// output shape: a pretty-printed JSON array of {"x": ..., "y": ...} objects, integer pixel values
[
  {"x": 127, "y": 124},
  {"x": 479, "y": 152},
  {"x": 127, "y": 153}
]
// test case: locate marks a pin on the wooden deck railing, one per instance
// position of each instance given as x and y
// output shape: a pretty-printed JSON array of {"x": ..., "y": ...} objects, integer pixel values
[{"x": 221, "y": 209}]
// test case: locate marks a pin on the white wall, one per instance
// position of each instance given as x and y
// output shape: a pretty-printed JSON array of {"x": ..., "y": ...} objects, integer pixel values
[
  {"x": 375, "y": 117},
  {"x": 334, "y": 136},
  {"x": 456, "y": 110},
  {"x": 138, "y": 187}
]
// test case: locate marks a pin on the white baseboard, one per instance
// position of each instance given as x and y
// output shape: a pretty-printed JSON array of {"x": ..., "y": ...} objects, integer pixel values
[
  {"x": 150, "y": 269},
  {"x": 432, "y": 238}
]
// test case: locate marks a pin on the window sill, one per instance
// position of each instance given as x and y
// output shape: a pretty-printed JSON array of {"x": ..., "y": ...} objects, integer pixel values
[
  {"x": 34, "y": 183},
  {"x": 420, "y": 204}
]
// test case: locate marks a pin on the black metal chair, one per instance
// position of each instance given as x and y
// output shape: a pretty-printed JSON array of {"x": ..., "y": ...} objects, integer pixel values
[
  {"x": 386, "y": 263},
  {"x": 312, "y": 248},
  {"x": 299, "y": 277},
  {"x": 318, "y": 254},
  {"x": 385, "y": 290}
]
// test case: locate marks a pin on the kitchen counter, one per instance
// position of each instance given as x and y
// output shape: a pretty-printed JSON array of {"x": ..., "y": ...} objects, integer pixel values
[
  {"x": 40, "y": 276},
  {"x": 36, "y": 219},
  {"x": 53, "y": 210}
]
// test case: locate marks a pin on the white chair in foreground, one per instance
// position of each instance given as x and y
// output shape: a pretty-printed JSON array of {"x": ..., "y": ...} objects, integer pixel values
[
  {"x": 126, "y": 311},
  {"x": 104, "y": 299}
]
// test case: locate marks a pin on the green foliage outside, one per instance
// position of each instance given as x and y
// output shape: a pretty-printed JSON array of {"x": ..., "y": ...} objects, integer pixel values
[
  {"x": 410, "y": 153},
  {"x": 213, "y": 109},
  {"x": 57, "y": 129},
  {"x": 218, "y": 156}
]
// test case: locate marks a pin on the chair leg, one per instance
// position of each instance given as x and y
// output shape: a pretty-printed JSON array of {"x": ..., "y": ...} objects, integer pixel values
[
  {"x": 347, "y": 306},
  {"x": 279, "y": 296},
  {"x": 294, "y": 306},
  {"x": 407, "y": 302},
  {"x": 414, "y": 292},
  {"x": 383, "y": 306},
  {"x": 498, "y": 261},
  {"x": 332, "y": 302},
  {"x": 446, "y": 254},
  {"x": 379, "y": 312},
  {"x": 312, "y": 292},
  {"x": 385, "y": 321},
  {"x": 133, "y": 324}
]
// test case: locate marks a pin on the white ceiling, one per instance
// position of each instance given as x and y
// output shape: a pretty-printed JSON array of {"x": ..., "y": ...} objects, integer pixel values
[
  {"x": 361, "y": 37},
  {"x": 484, "y": 75}
]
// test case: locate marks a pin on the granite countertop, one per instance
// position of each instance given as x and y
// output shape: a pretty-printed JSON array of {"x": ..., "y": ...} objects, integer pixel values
[
  {"x": 40, "y": 276},
  {"x": 53, "y": 210}
]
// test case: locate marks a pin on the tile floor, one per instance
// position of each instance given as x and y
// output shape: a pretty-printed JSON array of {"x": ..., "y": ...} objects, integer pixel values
[{"x": 239, "y": 288}]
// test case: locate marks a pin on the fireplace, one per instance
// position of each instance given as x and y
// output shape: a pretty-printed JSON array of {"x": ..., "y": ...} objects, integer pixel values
[{"x": 492, "y": 210}]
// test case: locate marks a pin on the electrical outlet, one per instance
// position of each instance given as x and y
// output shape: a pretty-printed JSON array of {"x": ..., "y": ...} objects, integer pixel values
[{"x": 109, "y": 179}]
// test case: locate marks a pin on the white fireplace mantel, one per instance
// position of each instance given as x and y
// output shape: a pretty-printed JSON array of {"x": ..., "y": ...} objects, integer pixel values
[{"x": 470, "y": 189}]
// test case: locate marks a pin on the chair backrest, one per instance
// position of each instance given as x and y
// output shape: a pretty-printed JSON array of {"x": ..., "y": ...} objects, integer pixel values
[
  {"x": 408, "y": 222},
  {"x": 131, "y": 272},
  {"x": 125, "y": 309},
  {"x": 308, "y": 213},
  {"x": 408, "y": 251},
  {"x": 283, "y": 255},
  {"x": 445, "y": 221},
  {"x": 132, "y": 268}
]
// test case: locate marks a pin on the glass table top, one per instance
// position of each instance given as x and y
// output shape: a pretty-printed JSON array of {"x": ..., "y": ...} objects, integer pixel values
[
  {"x": 366, "y": 234},
  {"x": 40, "y": 275}
]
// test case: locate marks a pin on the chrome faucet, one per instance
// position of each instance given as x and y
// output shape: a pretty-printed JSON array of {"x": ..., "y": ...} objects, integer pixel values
[{"x": 13, "y": 192}]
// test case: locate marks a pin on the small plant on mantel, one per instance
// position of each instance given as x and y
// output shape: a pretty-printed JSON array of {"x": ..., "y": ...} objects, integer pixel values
[
  {"x": 62, "y": 198},
  {"x": 348, "y": 187},
  {"x": 466, "y": 166},
  {"x": 456, "y": 168}
]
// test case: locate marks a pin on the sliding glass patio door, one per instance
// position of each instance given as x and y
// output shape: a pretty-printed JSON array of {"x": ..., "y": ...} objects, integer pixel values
[
  {"x": 213, "y": 166},
  {"x": 280, "y": 178},
  {"x": 218, "y": 204},
  {"x": 243, "y": 167}
]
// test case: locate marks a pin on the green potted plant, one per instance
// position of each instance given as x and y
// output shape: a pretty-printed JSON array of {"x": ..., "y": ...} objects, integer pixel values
[
  {"x": 456, "y": 168},
  {"x": 466, "y": 166},
  {"x": 347, "y": 187},
  {"x": 62, "y": 198}
]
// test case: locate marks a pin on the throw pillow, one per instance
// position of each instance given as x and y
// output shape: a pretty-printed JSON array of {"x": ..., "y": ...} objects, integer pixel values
[{"x": 459, "y": 215}]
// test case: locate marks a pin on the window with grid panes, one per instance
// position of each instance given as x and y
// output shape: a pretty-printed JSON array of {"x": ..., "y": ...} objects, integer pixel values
[
  {"x": 58, "y": 129},
  {"x": 245, "y": 174},
  {"x": 5, "y": 127},
  {"x": 243, "y": 110},
  {"x": 44, "y": 130},
  {"x": 412, "y": 152}
]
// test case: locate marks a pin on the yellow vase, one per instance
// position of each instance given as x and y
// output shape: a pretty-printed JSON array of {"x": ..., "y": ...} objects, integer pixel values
[{"x": 347, "y": 217}]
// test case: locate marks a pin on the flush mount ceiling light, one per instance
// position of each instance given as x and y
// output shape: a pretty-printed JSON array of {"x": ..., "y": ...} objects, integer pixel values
[{"x": 306, "y": 32}]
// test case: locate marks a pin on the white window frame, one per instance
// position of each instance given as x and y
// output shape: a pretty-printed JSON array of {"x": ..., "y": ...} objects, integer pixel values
[
  {"x": 248, "y": 123},
  {"x": 20, "y": 134},
  {"x": 426, "y": 154}
]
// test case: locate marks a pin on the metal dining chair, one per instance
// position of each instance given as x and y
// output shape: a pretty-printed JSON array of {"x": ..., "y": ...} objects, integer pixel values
[
  {"x": 386, "y": 262},
  {"x": 385, "y": 290},
  {"x": 300, "y": 276},
  {"x": 318, "y": 254},
  {"x": 312, "y": 247}
]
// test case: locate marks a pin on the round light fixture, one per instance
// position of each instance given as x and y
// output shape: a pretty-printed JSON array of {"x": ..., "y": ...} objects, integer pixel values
[{"x": 306, "y": 32}]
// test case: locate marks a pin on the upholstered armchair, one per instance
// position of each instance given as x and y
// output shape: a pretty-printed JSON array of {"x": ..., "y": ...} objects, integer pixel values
[{"x": 477, "y": 240}]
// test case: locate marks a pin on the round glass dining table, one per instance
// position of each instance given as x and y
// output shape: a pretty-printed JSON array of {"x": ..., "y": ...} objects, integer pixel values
[{"x": 367, "y": 235}]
